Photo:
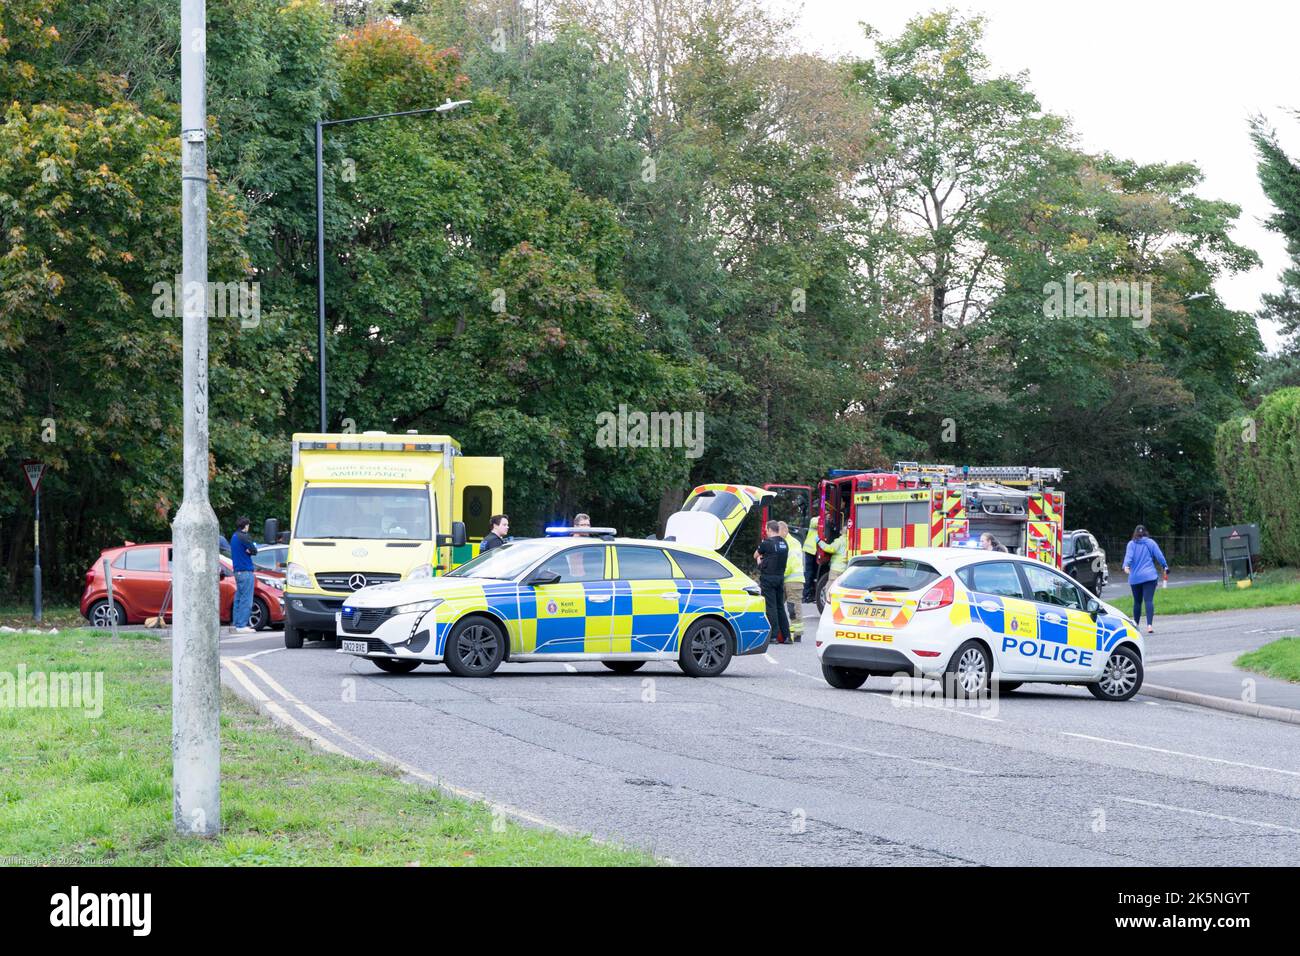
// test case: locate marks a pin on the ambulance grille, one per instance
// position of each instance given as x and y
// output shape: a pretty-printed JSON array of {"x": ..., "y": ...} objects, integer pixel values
[{"x": 353, "y": 580}]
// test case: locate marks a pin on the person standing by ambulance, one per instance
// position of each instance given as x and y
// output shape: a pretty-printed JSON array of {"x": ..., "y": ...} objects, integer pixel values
[
  {"x": 771, "y": 556},
  {"x": 1140, "y": 560},
  {"x": 499, "y": 526},
  {"x": 793, "y": 581}
]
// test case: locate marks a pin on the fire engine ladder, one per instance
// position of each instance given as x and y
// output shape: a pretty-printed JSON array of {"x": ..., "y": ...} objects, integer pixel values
[{"x": 992, "y": 473}]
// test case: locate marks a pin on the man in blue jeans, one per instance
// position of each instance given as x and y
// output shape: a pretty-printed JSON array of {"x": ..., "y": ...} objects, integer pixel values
[
  {"x": 242, "y": 550},
  {"x": 1140, "y": 560}
]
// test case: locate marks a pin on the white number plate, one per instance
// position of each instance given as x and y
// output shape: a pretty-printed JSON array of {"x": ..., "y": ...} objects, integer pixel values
[{"x": 356, "y": 647}]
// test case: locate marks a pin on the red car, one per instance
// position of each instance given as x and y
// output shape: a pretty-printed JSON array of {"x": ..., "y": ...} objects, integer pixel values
[{"x": 142, "y": 579}]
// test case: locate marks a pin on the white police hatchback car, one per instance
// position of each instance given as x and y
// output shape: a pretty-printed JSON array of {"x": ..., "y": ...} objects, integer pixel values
[{"x": 976, "y": 620}]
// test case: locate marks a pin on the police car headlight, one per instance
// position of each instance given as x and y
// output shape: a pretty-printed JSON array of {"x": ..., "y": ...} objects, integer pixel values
[
  {"x": 420, "y": 571},
  {"x": 296, "y": 576},
  {"x": 419, "y": 607}
]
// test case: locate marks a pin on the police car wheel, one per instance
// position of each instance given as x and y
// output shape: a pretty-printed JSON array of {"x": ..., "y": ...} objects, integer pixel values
[
  {"x": 967, "y": 673},
  {"x": 292, "y": 636},
  {"x": 706, "y": 649},
  {"x": 843, "y": 678},
  {"x": 475, "y": 648},
  {"x": 624, "y": 667},
  {"x": 394, "y": 666},
  {"x": 1121, "y": 677}
]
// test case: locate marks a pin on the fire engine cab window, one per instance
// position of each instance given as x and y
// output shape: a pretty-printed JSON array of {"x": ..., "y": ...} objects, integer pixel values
[
  {"x": 993, "y": 577},
  {"x": 641, "y": 564},
  {"x": 1048, "y": 587},
  {"x": 577, "y": 565},
  {"x": 888, "y": 574},
  {"x": 476, "y": 510}
]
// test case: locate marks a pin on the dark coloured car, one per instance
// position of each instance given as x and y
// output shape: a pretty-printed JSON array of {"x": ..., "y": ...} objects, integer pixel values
[{"x": 1083, "y": 559}]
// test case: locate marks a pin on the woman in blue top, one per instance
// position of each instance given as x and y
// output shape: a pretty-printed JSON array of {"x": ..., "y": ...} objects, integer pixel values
[{"x": 1140, "y": 560}]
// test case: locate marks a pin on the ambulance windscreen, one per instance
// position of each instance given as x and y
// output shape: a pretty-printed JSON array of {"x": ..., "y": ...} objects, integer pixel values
[{"x": 888, "y": 574}]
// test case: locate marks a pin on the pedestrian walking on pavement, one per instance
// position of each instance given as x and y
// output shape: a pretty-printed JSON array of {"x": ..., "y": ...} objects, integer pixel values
[
  {"x": 771, "y": 556},
  {"x": 242, "y": 550},
  {"x": 1140, "y": 560},
  {"x": 793, "y": 581},
  {"x": 496, "y": 536}
]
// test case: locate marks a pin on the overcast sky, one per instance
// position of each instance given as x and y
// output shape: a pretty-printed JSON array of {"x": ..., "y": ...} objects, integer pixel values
[{"x": 1151, "y": 80}]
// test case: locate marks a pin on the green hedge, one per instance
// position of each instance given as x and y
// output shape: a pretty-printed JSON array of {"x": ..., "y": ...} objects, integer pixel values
[{"x": 1258, "y": 455}]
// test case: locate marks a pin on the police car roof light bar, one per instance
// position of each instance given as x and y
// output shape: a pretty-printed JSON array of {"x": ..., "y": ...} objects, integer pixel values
[{"x": 564, "y": 531}]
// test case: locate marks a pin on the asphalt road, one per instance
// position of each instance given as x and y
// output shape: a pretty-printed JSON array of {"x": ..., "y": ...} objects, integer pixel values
[{"x": 769, "y": 765}]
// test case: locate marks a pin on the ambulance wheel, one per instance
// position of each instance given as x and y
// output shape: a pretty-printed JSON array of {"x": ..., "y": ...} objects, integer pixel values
[
  {"x": 624, "y": 667},
  {"x": 394, "y": 666},
  {"x": 1121, "y": 677},
  {"x": 706, "y": 649},
  {"x": 1007, "y": 686},
  {"x": 843, "y": 678},
  {"x": 292, "y": 636},
  {"x": 967, "y": 673},
  {"x": 475, "y": 648}
]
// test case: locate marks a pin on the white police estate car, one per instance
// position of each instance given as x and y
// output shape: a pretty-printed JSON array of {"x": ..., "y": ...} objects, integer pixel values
[{"x": 974, "y": 619}]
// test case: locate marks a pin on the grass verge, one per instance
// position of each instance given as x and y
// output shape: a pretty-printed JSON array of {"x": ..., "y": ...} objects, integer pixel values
[
  {"x": 1280, "y": 659},
  {"x": 52, "y": 615},
  {"x": 97, "y": 790},
  {"x": 1271, "y": 588}
]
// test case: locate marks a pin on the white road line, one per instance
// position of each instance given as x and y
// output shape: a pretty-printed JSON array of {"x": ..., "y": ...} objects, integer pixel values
[
  {"x": 401, "y": 765},
  {"x": 871, "y": 753},
  {"x": 1179, "y": 753},
  {"x": 280, "y": 715},
  {"x": 1206, "y": 813}
]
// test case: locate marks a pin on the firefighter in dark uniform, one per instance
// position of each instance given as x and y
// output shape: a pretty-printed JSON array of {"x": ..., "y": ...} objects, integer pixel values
[{"x": 771, "y": 556}]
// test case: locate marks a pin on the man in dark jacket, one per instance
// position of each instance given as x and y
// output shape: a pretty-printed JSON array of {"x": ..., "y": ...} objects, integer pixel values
[
  {"x": 497, "y": 535},
  {"x": 242, "y": 550},
  {"x": 771, "y": 556}
]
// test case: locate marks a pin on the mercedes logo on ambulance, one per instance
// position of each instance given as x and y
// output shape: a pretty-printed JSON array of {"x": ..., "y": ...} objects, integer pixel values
[{"x": 357, "y": 581}]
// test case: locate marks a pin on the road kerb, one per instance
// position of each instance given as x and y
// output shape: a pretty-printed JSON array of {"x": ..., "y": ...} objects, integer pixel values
[{"x": 1266, "y": 711}]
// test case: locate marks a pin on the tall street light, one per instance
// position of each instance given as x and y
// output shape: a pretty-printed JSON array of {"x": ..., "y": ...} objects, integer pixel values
[
  {"x": 196, "y": 664},
  {"x": 320, "y": 228}
]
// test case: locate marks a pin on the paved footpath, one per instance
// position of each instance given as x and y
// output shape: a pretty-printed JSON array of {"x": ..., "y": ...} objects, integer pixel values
[{"x": 769, "y": 765}]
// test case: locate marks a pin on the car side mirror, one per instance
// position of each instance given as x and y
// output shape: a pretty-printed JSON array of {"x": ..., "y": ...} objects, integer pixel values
[
  {"x": 458, "y": 536},
  {"x": 226, "y": 573},
  {"x": 543, "y": 577},
  {"x": 1094, "y": 607},
  {"x": 270, "y": 530}
]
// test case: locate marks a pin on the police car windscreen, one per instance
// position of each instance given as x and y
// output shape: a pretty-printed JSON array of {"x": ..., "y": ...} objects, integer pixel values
[
  {"x": 888, "y": 574},
  {"x": 372, "y": 513},
  {"x": 506, "y": 561}
]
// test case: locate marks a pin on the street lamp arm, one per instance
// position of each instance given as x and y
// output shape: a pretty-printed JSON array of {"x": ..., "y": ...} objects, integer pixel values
[{"x": 445, "y": 107}]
